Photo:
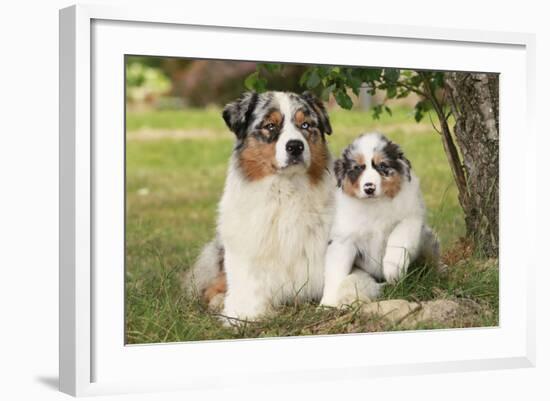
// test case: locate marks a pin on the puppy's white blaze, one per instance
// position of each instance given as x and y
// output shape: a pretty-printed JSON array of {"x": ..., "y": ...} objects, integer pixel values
[
  {"x": 370, "y": 175},
  {"x": 367, "y": 145},
  {"x": 288, "y": 133}
]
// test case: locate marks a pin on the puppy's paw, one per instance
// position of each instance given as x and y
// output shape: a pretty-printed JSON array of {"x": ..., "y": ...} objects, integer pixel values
[
  {"x": 359, "y": 287},
  {"x": 392, "y": 272}
]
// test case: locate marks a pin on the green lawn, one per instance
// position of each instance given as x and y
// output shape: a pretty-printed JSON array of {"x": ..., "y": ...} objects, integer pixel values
[{"x": 176, "y": 164}]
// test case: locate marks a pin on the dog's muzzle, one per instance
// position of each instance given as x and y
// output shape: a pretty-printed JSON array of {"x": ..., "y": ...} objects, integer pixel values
[{"x": 295, "y": 149}]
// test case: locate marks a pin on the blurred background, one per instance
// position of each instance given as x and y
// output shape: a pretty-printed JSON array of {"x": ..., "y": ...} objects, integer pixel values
[
  {"x": 162, "y": 83},
  {"x": 177, "y": 148}
]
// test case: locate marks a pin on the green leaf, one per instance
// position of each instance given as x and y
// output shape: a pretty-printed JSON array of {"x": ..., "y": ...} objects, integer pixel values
[
  {"x": 272, "y": 67},
  {"x": 415, "y": 80},
  {"x": 388, "y": 110},
  {"x": 392, "y": 91},
  {"x": 335, "y": 72},
  {"x": 261, "y": 85},
  {"x": 255, "y": 82},
  {"x": 322, "y": 71},
  {"x": 327, "y": 91},
  {"x": 343, "y": 100},
  {"x": 391, "y": 75},
  {"x": 418, "y": 114},
  {"x": 438, "y": 80},
  {"x": 250, "y": 81},
  {"x": 313, "y": 80},
  {"x": 420, "y": 108},
  {"x": 370, "y": 74},
  {"x": 353, "y": 81},
  {"x": 304, "y": 77},
  {"x": 376, "y": 111}
]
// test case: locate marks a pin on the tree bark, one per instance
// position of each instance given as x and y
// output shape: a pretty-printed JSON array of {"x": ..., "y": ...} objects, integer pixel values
[{"x": 474, "y": 102}]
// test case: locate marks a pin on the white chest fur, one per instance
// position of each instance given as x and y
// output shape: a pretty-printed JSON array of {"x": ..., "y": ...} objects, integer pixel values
[
  {"x": 381, "y": 237},
  {"x": 367, "y": 224},
  {"x": 275, "y": 233}
]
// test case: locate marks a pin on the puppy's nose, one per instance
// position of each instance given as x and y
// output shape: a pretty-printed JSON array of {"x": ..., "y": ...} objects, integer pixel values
[
  {"x": 369, "y": 188},
  {"x": 295, "y": 147}
]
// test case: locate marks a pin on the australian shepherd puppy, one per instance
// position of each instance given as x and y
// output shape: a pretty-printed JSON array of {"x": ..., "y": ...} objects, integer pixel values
[
  {"x": 379, "y": 226},
  {"x": 276, "y": 209}
]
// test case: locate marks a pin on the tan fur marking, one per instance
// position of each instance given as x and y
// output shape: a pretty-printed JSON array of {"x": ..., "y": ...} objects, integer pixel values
[
  {"x": 218, "y": 286},
  {"x": 319, "y": 157},
  {"x": 391, "y": 185},
  {"x": 274, "y": 117},
  {"x": 257, "y": 159},
  {"x": 299, "y": 117},
  {"x": 352, "y": 188},
  {"x": 378, "y": 158}
]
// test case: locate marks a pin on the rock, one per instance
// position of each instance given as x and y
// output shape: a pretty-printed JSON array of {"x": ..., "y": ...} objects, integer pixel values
[
  {"x": 409, "y": 314},
  {"x": 437, "y": 311}
]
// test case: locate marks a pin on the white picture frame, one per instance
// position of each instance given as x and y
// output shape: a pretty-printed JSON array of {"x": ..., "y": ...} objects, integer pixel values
[{"x": 93, "y": 356}]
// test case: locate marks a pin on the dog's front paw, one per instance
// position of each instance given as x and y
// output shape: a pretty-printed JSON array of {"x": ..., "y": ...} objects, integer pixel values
[
  {"x": 230, "y": 321},
  {"x": 392, "y": 272},
  {"x": 329, "y": 302},
  {"x": 235, "y": 318}
]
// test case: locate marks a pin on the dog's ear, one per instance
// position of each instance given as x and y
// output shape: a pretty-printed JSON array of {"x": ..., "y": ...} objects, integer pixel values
[
  {"x": 406, "y": 166},
  {"x": 394, "y": 152},
  {"x": 317, "y": 105},
  {"x": 238, "y": 113},
  {"x": 339, "y": 171}
]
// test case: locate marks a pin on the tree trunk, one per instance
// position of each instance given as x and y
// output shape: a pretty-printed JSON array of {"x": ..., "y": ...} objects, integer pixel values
[{"x": 474, "y": 102}]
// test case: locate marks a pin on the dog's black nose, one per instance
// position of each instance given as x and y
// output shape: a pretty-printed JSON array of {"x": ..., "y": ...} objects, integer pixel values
[
  {"x": 369, "y": 188},
  {"x": 295, "y": 147}
]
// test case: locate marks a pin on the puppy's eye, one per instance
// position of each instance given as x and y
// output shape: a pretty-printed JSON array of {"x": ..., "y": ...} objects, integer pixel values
[
  {"x": 385, "y": 170},
  {"x": 304, "y": 126},
  {"x": 269, "y": 127},
  {"x": 359, "y": 167}
]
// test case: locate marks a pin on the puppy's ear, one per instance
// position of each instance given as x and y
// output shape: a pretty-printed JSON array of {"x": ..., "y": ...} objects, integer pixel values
[
  {"x": 406, "y": 166},
  {"x": 394, "y": 152},
  {"x": 339, "y": 171},
  {"x": 238, "y": 113},
  {"x": 317, "y": 105}
]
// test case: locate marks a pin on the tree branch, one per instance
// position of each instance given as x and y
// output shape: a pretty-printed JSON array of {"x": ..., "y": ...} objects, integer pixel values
[
  {"x": 412, "y": 88},
  {"x": 448, "y": 144}
]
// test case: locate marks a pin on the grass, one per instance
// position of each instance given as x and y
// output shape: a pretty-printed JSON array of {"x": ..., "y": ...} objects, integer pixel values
[{"x": 175, "y": 181}]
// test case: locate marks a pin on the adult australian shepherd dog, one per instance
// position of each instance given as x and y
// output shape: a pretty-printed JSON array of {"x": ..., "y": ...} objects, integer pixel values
[
  {"x": 380, "y": 221},
  {"x": 276, "y": 209}
]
